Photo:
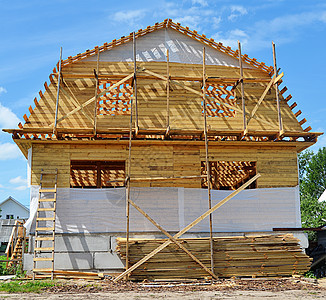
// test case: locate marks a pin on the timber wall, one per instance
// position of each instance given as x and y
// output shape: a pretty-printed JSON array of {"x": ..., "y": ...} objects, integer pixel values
[
  {"x": 276, "y": 164},
  {"x": 185, "y": 106}
]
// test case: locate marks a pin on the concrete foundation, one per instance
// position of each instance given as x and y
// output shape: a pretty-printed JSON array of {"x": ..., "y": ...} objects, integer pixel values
[{"x": 98, "y": 251}]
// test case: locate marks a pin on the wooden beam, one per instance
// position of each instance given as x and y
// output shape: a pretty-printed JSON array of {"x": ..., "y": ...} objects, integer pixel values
[
  {"x": 58, "y": 91},
  {"x": 173, "y": 240},
  {"x": 135, "y": 79},
  {"x": 187, "y": 228},
  {"x": 242, "y": 90},
  {"x": 208, "y": 173},
  {"x": 128, "y": 174},
  {"x": 280, "y": 122},
  {"x": 93, "y": 98},
  {"x": 96, "y": 90},
  {"x": 272, "y": 81},
  {"x": 210, "y": 79},
  {"x": 167, "y": 90}
]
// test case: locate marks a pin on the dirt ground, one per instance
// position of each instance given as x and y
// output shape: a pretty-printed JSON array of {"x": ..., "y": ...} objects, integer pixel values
[{"x": 287, "y": 289}]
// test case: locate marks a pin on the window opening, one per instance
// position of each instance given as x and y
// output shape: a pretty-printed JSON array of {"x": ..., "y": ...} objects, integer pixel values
[
  {"x": 97, "y": 174},
  {"x": 229, "y": 175},
  {"x": 222, "y": 93},
  {"x": 116, "y": 101}
]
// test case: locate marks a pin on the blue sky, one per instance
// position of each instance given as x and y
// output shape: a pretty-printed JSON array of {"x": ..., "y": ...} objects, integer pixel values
[{"x": 33, "y": 31}]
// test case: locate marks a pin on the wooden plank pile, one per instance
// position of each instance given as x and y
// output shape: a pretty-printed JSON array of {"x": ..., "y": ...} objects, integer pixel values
[{"x": 241, "y": 256}]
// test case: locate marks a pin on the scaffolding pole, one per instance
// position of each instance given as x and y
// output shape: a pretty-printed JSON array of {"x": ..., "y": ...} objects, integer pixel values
[
  {"x": 207, "y": 166},
  {"x": 167, "y": 92},
  {"x": 58, "y": 92},
  {"x": 280, "y": 123},
  {"x": 96, "y": 89},
  {"x": 135, "y": 81},
  {"x": 129, "y": 157},
  {"x": 242, "y": 91}
]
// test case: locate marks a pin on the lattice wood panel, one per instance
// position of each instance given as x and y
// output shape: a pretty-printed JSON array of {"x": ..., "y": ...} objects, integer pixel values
[
  {"x": 222, "y": 93},
  {"x": 83, "y": 178},
  {"x": 112, "y": 178},
  {"x": 115, "y": 102},
  {"x": 228, "y": 175}
]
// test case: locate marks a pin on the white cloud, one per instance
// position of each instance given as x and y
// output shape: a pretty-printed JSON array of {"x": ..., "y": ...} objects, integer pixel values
[
  {"x": 191, "y": 21},
  {"x": 283, "y": 29},
  {"x": 9, "y": 151},
  {"x": 21, "y": 187},
  {"x": 130, "y": 17},
  {"x": 232, "y": 37},
  {"x": 2, "y": 90},
  {"x": 1, "y": 186},
  {"x": 237, "y": 11},
  {"x": 8, "y": 119},
  {"x": 21, "y": 182},
  {"x": 18, "y": 180},
  {"x": 201, "y": 2}
]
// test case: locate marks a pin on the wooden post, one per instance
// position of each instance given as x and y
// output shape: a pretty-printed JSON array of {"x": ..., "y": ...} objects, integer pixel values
[
  {"x": 57, "y": 103},
  {"x": 129, "y": 160},
  {"x": 96, "y": 92},
  {"x": 242, "y": 90},
  {"x": 208, "y": 166},
  {"x": 280, "y": 123},
  {"x": 135, "y": 82},
  {"x": 167, "y": 91}
]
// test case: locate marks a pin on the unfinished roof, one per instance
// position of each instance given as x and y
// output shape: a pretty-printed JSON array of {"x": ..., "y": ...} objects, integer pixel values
[{"x": 96, "y": 89}]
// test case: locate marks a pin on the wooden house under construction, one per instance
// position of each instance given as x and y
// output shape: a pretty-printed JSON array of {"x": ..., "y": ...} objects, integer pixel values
[{"x": 167, "y": 122}]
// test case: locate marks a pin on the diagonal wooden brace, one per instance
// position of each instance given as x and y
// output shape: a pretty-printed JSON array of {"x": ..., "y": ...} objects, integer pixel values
[
  {"x": 173, "y": 239},
  {"x": 181, "y": 232},
  {"x": 200, "y": 93},
  {"x": 273, "y": 81},
  {"x": 93, "y": 98}
]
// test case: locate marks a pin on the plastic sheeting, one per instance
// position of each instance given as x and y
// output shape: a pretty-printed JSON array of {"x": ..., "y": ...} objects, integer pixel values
[
  {"x": 182, "y": 49},
  {"x": 104, "y": 210}
]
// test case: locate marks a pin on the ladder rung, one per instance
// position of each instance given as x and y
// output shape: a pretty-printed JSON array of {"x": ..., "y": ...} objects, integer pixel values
[
  {"x": 45, "y": 209},
  {"x": 44, "y": 190},
  {"x": 48, "y": 181},
  {"x": 45, "y": 219},
  {"x": 44, "y": 228},
  {"x": 44, "y": 238},
  {"x": 49, "y": 173},
  {"x": 42, "y": 258},
  {"x": 47, "y": 200},
  {"x": 43, "y": 249},
  {"x": 43, "y": 270}
]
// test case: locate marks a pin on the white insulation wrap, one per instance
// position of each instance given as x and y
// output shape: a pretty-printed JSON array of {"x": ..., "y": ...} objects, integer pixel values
[
  {"x": 104, "y": 210},
  {"x": 182, "y": 49}
]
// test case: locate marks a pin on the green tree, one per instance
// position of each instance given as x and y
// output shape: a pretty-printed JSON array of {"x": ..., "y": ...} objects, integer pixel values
[{"x": 312, "y": 175}]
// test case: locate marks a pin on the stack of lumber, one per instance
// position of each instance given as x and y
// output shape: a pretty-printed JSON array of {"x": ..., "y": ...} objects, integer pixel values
[{"x": 264, "y": 255}]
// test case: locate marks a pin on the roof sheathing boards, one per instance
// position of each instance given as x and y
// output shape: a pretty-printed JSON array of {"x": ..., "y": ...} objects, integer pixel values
[{"x": 182, "y": 49}]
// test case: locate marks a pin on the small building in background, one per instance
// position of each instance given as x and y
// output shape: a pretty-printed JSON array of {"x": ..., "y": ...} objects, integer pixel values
[{"x": 12, "y": 209}]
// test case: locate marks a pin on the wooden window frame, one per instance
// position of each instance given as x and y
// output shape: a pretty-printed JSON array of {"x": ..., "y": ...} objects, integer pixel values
[{"x": 98, "y": 166}]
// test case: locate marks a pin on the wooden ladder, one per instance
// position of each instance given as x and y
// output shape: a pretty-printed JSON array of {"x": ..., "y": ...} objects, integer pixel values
[{"x": 45, "y": 234}]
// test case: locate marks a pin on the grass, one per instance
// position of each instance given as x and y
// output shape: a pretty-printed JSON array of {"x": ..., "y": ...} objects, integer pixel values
[
  {"x": 25, "y": 286},
  {"x": 3, "y": 270}
]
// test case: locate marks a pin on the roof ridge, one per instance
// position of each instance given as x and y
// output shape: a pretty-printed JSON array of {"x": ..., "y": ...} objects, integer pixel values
[{"x": 168, "y": 23}]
